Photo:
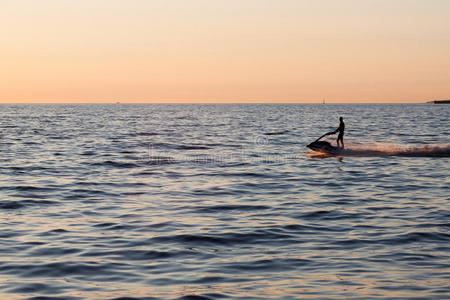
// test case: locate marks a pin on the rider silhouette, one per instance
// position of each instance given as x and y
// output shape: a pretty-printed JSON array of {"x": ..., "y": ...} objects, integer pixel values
[{"x": 340, "y": 129}]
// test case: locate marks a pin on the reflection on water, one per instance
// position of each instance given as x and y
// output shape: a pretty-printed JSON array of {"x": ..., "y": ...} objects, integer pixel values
[{"x": 221, "y": 201}]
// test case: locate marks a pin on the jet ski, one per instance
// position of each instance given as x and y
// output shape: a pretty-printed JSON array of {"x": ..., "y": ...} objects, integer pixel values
[{"x": 324, "y": 147}]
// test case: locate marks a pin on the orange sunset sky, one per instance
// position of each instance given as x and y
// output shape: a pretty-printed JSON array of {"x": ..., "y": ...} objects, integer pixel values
[{"x": 224, "y": 50}]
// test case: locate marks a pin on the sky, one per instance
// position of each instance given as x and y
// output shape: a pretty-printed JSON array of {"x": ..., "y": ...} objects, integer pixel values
[{"x": 224, "y": 50}]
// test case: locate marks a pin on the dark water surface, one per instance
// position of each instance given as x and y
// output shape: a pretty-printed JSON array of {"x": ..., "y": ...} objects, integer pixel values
[{"x": 222, "y": 202}]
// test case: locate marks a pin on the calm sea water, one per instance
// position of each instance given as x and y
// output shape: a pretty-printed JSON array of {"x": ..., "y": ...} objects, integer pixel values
[{"x": 222, "y": 202}]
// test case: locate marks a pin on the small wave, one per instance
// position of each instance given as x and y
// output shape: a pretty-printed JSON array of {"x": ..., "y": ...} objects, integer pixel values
[
  {"x": 133, "y": 298},
  {"x": 11, "y": 205},
  {"x": 37, "y": 287},
  {"x": 268, "y": 264},
  {"x": 29, "y": 188},
  {"x": 192, "y": 147},
  {"x": 226, "y": 208},
  {"x": 53, "y": 251},
  {"x": 24, "y": 203},
  {"x": 329, "y": 215},
  {"x": 157, "y": 160},
  {"x": 247, "y": 174},
  {"x": 86, "y": 193},
  {"x": 88, "y": 153},
  {"x": 143, "y": 134},
  {"x": 135, "y": 254},
  {"x": 277, "y": 132},
  {"x": 91, "y": 270},
  {"x": 194, "y": 297},
  {"x": 226, "y": 239},
  {"x": 418, "y": 237},
  {"x": 115, "y": 164}
]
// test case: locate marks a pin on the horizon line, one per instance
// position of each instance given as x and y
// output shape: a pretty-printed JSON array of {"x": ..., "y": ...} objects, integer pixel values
[{"x": 218, "y": 102}]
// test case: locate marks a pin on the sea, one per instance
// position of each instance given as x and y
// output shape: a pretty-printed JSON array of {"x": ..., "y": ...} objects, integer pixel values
[{"x": 223, "y": 201}]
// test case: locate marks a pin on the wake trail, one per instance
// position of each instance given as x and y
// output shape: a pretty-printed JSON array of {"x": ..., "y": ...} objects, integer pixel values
[{"x": 389, "y": 149}]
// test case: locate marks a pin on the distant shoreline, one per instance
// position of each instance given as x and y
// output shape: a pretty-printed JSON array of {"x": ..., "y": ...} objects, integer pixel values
[{"x": 440, "y": 101}]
